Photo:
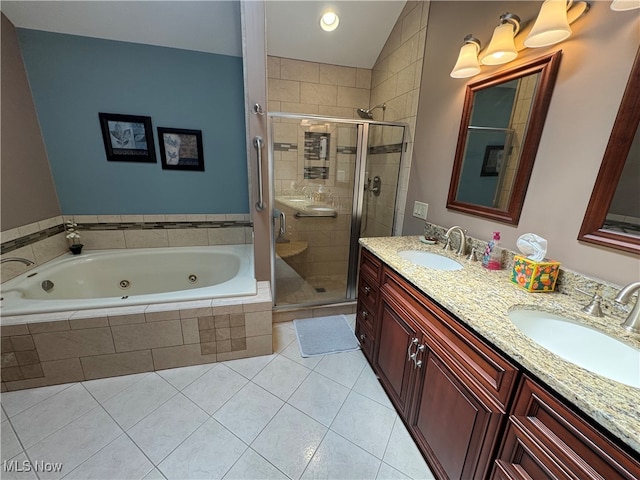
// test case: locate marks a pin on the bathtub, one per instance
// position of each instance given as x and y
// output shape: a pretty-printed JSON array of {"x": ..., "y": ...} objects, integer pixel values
[{"x": 126, "y": 277}]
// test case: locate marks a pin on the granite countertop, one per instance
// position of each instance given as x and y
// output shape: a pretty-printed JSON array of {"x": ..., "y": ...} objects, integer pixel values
[{"x": 481, "y": 299}]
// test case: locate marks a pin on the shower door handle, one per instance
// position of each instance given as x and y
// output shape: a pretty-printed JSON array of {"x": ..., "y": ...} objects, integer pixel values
[
  {"x": 283, "y": 225},
  {"x": 258, "y": 142}
]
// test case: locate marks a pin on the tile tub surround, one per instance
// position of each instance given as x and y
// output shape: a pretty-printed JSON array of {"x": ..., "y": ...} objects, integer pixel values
[
  {"x": 45, "y": 240},
  {"x": 481, "y": 300},
  {"x": 48, "y": 349}
]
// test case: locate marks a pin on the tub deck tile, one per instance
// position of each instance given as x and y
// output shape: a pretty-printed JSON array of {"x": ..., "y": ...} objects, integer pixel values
[
  {"x": 180, "y": 356},
  {"x": 130, "y": 319},
  {"x": 115, "y": 364},
  {"x": 160, "y": 316},
  {"x": 143, "y": 336},
  {"x": 74, "y": 343},
  {"x": 82, "y": 323}
]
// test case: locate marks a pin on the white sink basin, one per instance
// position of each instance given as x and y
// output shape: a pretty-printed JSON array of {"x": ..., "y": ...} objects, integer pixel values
[
  {"x": 579, "y": 344},
  {"x": 430, "y": 260}
]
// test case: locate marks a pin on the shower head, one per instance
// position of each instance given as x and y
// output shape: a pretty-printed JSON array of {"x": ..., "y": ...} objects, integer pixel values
[{"x": 367, "y": 113}]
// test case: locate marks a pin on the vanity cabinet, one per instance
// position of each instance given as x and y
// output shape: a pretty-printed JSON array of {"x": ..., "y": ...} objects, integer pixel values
[
  {"x": 449, "y": 387},
  {"x": 463, "y": 402},
  {"x": 545, "y": 439}
]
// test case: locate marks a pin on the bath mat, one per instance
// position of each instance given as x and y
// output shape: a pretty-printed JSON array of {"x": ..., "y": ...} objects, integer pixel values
[{"x": 323, "y": 335}]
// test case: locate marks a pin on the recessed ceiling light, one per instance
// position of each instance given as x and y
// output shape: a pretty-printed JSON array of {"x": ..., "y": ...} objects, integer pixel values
[{"x": 329, "y": 21}]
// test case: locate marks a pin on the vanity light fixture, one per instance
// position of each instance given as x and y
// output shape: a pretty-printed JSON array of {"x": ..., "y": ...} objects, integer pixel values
[
  {"x": 551, "y": 26},
  {"x": 467, "y": 64},
  {"x": 329, "y": 21},
  {"x": 502, "y": 47},
  {"x": 624, "y": 5}
]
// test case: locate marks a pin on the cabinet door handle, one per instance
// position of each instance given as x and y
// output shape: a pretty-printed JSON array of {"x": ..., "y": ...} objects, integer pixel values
[
  {"x": 364, "y": 314},
  {"x": 414, "y": 341},
  {"x": 367, "y": 289},
  {"x": 418, "y": 363},
  {"x": 363, "y": 337}
]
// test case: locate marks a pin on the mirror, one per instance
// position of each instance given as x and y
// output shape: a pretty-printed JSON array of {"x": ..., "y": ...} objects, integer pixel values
[
  {"x": 612, "y": 218},
  {"x": 502, "y": 120}
]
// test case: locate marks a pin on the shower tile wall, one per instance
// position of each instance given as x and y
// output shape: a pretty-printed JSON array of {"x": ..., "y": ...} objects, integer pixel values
[{"x": 296, "y": 86}]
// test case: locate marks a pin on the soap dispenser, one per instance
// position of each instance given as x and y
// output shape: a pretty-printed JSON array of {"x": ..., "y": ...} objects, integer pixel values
[{"x": 492, "y": 258}]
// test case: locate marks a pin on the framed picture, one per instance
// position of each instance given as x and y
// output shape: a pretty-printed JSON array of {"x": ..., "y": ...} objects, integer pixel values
[
  {"x": 492, "y": 163},
  {"x": 180, "y": 149},
  {"x": 127, "y": 138}
]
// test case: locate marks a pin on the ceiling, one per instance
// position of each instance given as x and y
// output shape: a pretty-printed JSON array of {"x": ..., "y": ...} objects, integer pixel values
[{"x": 214, "y": 26}]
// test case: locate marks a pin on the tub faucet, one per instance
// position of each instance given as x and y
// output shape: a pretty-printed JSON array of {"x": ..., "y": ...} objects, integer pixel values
[
  {"x": 632, "y": 323},
  {"x": 17, "y": 259},
  {"x": 462, "y": 249}
]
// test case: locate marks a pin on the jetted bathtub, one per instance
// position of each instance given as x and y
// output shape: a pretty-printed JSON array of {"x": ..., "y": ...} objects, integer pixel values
[{"x": 117, "y": 278}]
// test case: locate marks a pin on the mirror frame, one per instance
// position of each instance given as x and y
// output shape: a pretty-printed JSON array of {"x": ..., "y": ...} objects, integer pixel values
[
  {"x": 624, "y": 130},
  {"x": 547, "y": 66}
]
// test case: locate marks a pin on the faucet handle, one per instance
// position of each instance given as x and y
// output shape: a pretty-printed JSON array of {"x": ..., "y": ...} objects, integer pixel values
[
  {"x": 594, "y": 307},
  {"x": 447, "y": 244}
]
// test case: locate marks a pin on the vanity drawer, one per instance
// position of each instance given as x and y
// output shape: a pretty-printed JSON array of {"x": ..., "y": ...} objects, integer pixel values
[
  {"x": 365, "y": 316},
  {"x": 571, "y": 442},
  {"x": 366, "y": 339},
  {"x": 368, "y": 293},
  {"x": 370, "y": 266}
]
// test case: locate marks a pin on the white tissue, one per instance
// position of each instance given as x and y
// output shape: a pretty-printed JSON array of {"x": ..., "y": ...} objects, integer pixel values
[{"x": 533, "y": 246}]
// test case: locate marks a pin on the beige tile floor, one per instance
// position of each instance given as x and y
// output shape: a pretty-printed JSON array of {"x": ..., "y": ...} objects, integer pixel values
[{"x": 272, "y": 417}]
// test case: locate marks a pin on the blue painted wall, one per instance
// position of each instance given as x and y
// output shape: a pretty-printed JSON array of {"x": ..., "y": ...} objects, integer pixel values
[{"x": 73, "y": 78}]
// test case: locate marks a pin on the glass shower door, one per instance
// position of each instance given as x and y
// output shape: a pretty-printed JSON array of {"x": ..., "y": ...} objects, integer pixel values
[
  {"x": 314, "y": 173},
  {"x": 384, "y": 155}
]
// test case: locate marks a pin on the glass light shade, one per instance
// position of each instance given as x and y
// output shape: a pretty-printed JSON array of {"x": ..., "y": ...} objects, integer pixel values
[
  {"x": 623, "y": 5},
  {"x": 551, "y": 26},
  {"x": 467, "y": 64},
  {"x": 329, "y": 21},
  {"x": 502, "y": 48}
]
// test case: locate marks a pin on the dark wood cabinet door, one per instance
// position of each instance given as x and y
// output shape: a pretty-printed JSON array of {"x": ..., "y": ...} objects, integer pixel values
[
  {"x": 451, "y": 423},
  {"x": 394, "y": 344}
]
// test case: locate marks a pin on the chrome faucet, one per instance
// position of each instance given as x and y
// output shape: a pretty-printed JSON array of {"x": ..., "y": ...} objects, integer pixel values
[
  {"x": 462, "y": 249},
  {"x": 17, "y": 259},
  {"x": 632, "y": 323}
]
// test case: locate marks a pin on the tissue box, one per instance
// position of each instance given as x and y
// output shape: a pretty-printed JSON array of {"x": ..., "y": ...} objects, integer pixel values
[{"x": 535, "y": 276}]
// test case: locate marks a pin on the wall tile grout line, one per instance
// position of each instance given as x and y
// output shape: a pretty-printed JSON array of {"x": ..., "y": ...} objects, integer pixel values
[{"x": 26, "y": 240}]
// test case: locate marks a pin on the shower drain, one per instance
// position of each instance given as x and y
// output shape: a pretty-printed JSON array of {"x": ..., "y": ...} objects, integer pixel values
[{"x": 125, "y": 283}]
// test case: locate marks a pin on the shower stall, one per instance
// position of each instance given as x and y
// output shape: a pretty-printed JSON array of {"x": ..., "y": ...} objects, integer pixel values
[{"x": 333, "y": 181}]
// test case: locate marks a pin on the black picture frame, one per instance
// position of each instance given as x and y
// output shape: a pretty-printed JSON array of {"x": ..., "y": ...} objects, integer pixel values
[
  {"x": 492, "y": 162},
  {"x": 127, "y": 138},
  {"x": 178, "y": 147}
]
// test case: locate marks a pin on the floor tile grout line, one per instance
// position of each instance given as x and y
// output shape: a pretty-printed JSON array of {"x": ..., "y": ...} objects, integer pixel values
[
  {"x": 69, "y": 385},
  {"x": 156, "y": 465},
  {"x": 24, "y": 450},
  {"x": 194, "y": 380},
  {"x": 142, "y": 377},
  {"x": 62, "y": 426},
  {"x": 130, "y": 386}
]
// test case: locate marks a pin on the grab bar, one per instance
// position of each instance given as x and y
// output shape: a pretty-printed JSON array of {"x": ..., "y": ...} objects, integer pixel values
[
  {"x": 316, "y": 215},
  {"x": 257, "y": 142}
]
